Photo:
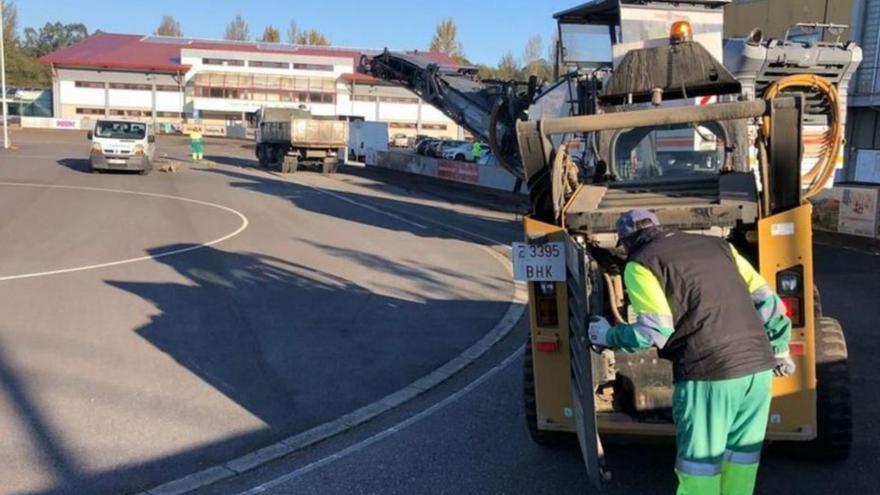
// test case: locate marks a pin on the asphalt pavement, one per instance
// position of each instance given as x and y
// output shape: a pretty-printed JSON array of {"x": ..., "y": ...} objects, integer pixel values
[
  {"x": 161, "y": 367},
  {"x": 470, "y": 436},
  {"x": 152, "y": 326}
]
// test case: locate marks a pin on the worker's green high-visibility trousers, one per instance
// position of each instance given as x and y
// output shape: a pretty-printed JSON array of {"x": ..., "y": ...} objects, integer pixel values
[{"x": 720, "y": 427}]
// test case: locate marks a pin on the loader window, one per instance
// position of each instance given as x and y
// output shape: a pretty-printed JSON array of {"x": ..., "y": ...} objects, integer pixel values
[
  {"x": 668, "y": 151},
  {"x": 585, "y": 45}
]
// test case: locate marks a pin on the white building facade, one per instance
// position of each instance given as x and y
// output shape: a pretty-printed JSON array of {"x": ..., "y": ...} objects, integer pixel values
[{"x": 222, "y": 84}]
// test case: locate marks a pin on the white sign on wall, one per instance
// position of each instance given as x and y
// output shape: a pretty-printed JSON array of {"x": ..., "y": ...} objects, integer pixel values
[{"x": 858, "y": 211}]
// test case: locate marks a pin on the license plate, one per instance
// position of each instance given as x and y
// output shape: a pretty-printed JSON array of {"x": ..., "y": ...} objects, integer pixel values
[
  {"x": 116, "y": 161},
  {"x": 539, "y": 262}
]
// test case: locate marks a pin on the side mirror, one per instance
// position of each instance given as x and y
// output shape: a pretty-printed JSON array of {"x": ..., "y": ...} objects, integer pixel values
[
  {"x": 151, "y": 138},
  {"x": 89, "y": 136}
]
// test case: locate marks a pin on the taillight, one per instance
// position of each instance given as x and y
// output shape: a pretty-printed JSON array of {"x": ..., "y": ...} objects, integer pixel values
[
  {"x": 545, "y": 304},
  {"x": 790, "y": 286},
  {"x": 546, "y": 345}
]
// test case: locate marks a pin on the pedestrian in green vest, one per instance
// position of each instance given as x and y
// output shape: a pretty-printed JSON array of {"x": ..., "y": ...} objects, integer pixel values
[
  {"x": 476, "y": 151},
  {"x": 196, "y": 144},
  {"x": 706, "y": 309}
]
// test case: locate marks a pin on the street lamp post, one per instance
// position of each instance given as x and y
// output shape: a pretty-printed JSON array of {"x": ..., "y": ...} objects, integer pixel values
[{"x": 3, "y": 79}]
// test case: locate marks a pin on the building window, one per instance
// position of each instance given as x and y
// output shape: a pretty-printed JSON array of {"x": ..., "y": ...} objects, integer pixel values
[
  {"x": 119, "y": 112},
  {"x": 268, "y": 65},
  {"x": 264, "y": 87},
  {"x": 434, "y": 127},
  {"x": 88, "y": 84},
  {"x": 394, "y": 99},
  {"x": 171, "y": 115},
  {"x": 363, "y": 98},
  {"x": 223, "y": 61},
  {"x": 327, "y": 68},
  {"x": 89, "y": 111},
  {"x": 138, "y": 87},
  {"x": 402, "y": 125},
  {"x": 169, "y": 88}
]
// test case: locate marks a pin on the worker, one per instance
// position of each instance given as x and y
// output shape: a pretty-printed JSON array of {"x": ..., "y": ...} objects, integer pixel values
[
  {"x": 197, "y": 145},
  {"x": 476, "y": 151},
  {"x": 708, "y": 311}
]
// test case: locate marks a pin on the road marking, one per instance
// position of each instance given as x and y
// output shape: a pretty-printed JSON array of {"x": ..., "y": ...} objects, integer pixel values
[
  {"x": 352, "y": 449},
  {"x": 239, "y": 230}
]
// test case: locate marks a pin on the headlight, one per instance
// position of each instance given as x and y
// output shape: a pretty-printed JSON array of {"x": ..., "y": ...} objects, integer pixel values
[
  {"x": 138, "y": 150},
  {"x": 96, "y": 148}
]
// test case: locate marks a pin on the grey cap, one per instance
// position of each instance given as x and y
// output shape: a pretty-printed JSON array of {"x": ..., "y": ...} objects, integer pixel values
[{"x": 635, "y": 220}]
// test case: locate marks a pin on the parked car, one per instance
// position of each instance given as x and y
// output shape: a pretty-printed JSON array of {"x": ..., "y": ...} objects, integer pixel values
[
  {"x": 399, "y": 141},
  {"x": 122, "y": 145},
  {"x": 438, "y": 149},
  {"x": 434, "y": 149},
  {"x": 464, "y": 152},
  {"x": 422, "y": 146}
]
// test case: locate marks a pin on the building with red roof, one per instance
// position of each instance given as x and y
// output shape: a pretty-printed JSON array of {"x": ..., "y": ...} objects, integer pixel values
[{"x": 223, "y": 83}]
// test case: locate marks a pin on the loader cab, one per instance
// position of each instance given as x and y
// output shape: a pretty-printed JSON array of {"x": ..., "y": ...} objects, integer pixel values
[{"x": 599, "y": 33}]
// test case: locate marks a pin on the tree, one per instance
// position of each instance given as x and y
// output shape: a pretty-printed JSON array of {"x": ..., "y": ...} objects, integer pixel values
[
  {"x": 508, "y": 68},
  {"x": 292, "y": 32},
  {"x": 445, "y": 40},
  {"x": 237, "y": 30},
  {"x": 169, "y": 27},
  {"x": 532, "y": 56},
  {"x": 10, "y": 22},
  {"x": 270, "y": 35},
  {"x": 51, "y": 37},
  {"x": 22, "y": 68},
  {"x": 312, "y": 37}
]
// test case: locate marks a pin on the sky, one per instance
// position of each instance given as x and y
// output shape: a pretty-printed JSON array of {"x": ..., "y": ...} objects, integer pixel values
[{"x": 488, "y": 29}]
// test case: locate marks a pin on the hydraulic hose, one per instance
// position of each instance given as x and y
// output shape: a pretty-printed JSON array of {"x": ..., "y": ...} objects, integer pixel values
[{"x": 818, "y": 176}]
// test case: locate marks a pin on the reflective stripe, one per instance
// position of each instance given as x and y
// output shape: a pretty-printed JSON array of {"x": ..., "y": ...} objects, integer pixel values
[
  {"x": 742, "y": 457},
  {"x": 655, "y": 320},
  {"x": 761, "y": 294},
  {"x": 697, "y": 468},
  {"x": 655, "y": 327},
  {"x": 651, "y": 334},
  {"x": 771, "y": 308}
]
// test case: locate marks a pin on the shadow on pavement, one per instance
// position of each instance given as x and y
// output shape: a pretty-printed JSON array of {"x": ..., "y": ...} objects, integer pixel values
[
  {"x": 292, "y": 345},
  {"x": 76, "y": 164},
  {"x": 378, "y": 211}
]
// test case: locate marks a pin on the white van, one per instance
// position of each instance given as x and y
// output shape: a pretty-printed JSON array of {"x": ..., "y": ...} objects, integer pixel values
[{"x": 122, "y": 145}]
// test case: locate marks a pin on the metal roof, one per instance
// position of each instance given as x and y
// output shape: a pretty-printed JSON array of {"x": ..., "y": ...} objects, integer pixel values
[{"x": 162, "y": 54}]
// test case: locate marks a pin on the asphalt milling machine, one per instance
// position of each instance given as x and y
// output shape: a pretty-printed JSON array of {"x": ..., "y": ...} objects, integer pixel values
[{"x": 653, "y": 109}]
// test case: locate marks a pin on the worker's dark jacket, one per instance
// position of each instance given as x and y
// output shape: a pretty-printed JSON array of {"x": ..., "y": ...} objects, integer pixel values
[{"x": 718, "y": 333}]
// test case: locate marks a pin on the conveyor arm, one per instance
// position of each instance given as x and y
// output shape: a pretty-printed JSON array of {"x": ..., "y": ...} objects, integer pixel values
[{"x": 488, "y": 109}]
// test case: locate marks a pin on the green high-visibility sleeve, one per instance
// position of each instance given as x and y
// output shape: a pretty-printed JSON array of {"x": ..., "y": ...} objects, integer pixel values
[
  {"x": 654, "y": 324},
  {"x": 769, "y": 306}
]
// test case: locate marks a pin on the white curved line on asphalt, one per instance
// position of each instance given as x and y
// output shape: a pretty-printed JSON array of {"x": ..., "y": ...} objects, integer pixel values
[
  {"x": 352, "y": 449},
  {"x": 239, "y": 230}
]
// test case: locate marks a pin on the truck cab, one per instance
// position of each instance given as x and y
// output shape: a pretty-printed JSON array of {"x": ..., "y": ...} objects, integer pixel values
[{"x": 122, "y": 145}]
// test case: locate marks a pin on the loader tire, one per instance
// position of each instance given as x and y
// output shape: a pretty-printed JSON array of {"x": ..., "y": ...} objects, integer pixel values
[
  {"x": 833, "y": 399},
  {"x": 543, "y": 438}
]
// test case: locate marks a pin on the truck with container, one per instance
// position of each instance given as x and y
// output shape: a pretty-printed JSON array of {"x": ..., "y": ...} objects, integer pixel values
[{"x": 290, "y": 138}]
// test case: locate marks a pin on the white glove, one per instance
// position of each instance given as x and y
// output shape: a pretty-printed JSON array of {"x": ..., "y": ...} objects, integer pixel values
[
  {"x": 598, "y": 331},
  {"x": 784, "y": 364}
]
